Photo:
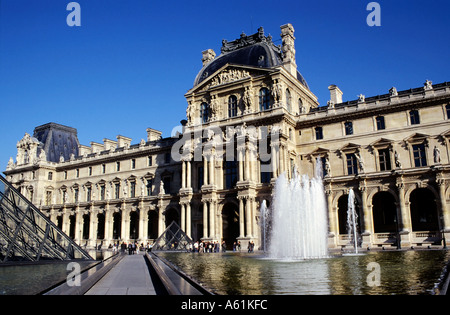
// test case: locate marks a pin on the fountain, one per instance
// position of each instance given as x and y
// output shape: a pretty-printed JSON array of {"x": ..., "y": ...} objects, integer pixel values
[
  {"x": 264, "y": 224},
  {"x": 299, "y": 227},
  {"x": 352, "y": 221}
]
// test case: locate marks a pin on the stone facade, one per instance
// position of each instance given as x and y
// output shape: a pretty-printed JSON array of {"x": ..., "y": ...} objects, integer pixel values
[{"x": 250, "y": 117}]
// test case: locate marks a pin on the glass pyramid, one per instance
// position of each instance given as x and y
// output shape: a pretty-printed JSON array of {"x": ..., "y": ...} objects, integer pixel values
[
  {"x": 173, "y": 238},
  {"x": 26, "y": 234}
]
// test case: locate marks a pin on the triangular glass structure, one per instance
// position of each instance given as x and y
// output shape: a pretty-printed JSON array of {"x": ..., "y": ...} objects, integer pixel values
[
  {"x": 26, "y": 234},
  {"x": 173, "y": 238}
]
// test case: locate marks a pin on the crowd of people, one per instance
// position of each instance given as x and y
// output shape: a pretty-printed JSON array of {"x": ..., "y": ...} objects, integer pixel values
[
  {"x": 215, "y": 247},
  {"x": 130, "y": 247}
]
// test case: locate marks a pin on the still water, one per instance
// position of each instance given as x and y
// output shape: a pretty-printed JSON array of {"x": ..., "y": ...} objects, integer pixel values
[
  {"x": 400, "y": 272},
  {"x": 33, "y": 278}
]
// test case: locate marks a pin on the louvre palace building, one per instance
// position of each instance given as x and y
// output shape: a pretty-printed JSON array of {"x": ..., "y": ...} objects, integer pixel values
[{"x": 250, "y": 117}]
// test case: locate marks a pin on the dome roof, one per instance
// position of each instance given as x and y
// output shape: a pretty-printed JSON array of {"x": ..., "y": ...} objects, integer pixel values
[{"x": 255, "y": 50}]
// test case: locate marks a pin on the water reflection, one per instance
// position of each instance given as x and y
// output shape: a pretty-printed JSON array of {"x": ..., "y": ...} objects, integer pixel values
[{"x": 401, "y": 272}]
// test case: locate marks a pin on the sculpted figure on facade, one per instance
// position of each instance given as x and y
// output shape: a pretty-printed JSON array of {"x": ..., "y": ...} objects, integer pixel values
[{"x": 247, "y": 100}]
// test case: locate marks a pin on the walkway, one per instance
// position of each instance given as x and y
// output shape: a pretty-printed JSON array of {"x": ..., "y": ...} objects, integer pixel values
[{"x": 129, "y": 277}]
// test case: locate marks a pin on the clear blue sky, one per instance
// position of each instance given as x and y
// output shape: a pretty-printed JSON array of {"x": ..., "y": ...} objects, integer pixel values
[{"x": 130, "y": 63}]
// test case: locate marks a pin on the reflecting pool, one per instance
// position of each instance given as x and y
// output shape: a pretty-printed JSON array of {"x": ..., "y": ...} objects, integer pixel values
[
  {"x": 33, "y": 278},
  {"x": 400, "y": 272}
]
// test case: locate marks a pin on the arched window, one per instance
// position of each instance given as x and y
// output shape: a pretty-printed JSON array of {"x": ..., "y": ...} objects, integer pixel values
[
  {"x": 232, "y": 106},
  {"x": 264, "y": 99},
  {"x": 288, "y": 101},
  {"x": 204, "y": 113},
  {"x": 301, "y": 109}
]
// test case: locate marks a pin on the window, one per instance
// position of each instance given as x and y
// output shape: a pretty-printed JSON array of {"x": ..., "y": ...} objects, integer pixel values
[
  {"x": 414, "y": 117},
  {"x": 50, "y": 175},
  {"x": 103, "y": 168},
  {"x": 48, "y": 198},
  {"x": 230, "y": 172},
  {"x": 348, "y": 128},
  {"x": 204, "y": 113},
  {"x": 90, "y": 170},
  {"x": 385, "y": 159},
  {"x": 447, "y": 109},
  {"x": 199, "y": 177},
  {"x": 132, "y": 189},
  {"x": 118, "y": 166},
  {"x": 319, "y": 133},
  {"x": 133, "y": 164},
  {"x": 264, "y": 99},
  {"x": 102, "y": 192},
  {"x": 232, "y": 106},
  {"x": 167, "y": 158},
  {"x": 380, "y": 123},
  {"x": 76, "y": 193},
  {"x": 150, "y": 161},
  {"x": 65, "y": 174},
  {"x": 88, "y": 193},
  {"x": 419, "y": 153},
  {"x": 288, "y": 101},
  {"x": 149, "y": 187},
  {"x": 266, "y": 172},
  {"x": 117, "y": 191},
  {"x": 78, "y": 172},
  {"x": 167, "y": 182},
  {"x": 352, "y": 164},
  {"x": 300, "y": 106}
]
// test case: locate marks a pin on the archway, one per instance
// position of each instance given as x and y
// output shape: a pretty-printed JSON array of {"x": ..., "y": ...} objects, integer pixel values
[
  {"x": 101, "y": 226},
  {"x": 423, "y": 210},
  {"x": 152, "y": 224},
  {"x": 230, "y": 224},
  {"x": 342, "y": 214},
  {"x": 384, "y": 212},
  {"x": 134, "y": 225},
  {"x": 172, "y": 215},
  {"x": 117, "y": 225},
  {"x": 86, "y": 223}
]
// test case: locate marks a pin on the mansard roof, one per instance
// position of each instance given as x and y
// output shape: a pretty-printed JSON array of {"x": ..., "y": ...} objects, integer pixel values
[
  {"x": 58, "y": 140},
  {"x": 255, "y": 50}
]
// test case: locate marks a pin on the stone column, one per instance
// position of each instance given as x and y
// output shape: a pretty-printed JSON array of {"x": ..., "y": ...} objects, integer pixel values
[
  {"x": 241, "y": 217},
  {"x": 205, "y": 170},
  {"x": 188, "y": 174},
  {"x": 205, "y": 219},
  {"x": 188, "y": 219},
  {"x": 142, "y": 221},
  {"x": 212, "y": 214},
  {"x": 183, "y": 174},
  {"x": 93, "y": 226},
  {"x": 183, "y": 217},
  {"x": 405, "y": 217},
  {"x": 248, "y": 217},
  {"x": 108, "y": 224}
]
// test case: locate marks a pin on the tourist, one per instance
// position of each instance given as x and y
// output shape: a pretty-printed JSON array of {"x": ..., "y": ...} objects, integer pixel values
[{"x": 224, "y": 247}]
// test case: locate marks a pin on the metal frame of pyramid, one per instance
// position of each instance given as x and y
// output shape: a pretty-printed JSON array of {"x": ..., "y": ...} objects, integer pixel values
[
  {"x": 173, "y": 238},
  {"x": 26, "y": 234}
]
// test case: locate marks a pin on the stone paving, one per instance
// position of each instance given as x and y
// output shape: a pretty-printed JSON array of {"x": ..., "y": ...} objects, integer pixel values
[{"x": 129, "y": 277}]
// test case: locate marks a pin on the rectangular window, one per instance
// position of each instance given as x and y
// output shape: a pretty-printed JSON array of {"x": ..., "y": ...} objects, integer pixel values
[
  {"x": 77, "y": 172},
  {"x": 447, "y": 109},
  {"x": 266, "y": 172},
  {"x": 118, "y": 166},
  {"x": 199, "y": 177},
  {"x": 65, "y": 174},
  {"x": 419, "y": 153},
  {"x": 380, "y": 123},
  {"x": 133, "y": 164},
  {"x": 319, "y": 133},
  {"x": 132, "y": 189},
  {"x": 150, "y": 161},
  {"x": 414, "y": 117},
  {"x": 88, "y": 194},
  {"x": 48, "y": 198},
  {"x": 103, "y": 168},
  {"x": 149, "y": 187},
  {"x": 348, "y": 128},
  {"x": 75, "y": 195},
  {"x": 230, "y": 172},
  {"x": 50, "y": 175},
  {"x": 117, "y": 191},
  {"x": 166, "y": 181},
  {"x": 352, "y": 164},
  {"x": 102, "y": 192},
  {"x": 385, "y": 160},
  {"x": 90, "y": 170}
]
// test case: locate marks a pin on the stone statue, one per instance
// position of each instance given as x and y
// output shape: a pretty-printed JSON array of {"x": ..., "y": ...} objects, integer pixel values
[
  {"x": 437, "y": 155},
  {"x": 161, "y": 188},
  {"x": 360, "y": 162},
  {"x": 398, "y": 164}
]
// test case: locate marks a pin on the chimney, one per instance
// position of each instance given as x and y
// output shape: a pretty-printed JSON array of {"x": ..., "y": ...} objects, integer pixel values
[
  {"x": 208, "y": 55},
  {"x": 123, "y": 141},
  {"x": 335, "y": 94},
  {"x": 288, "y": 48},
  {"x": 153, "y": 134}
]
